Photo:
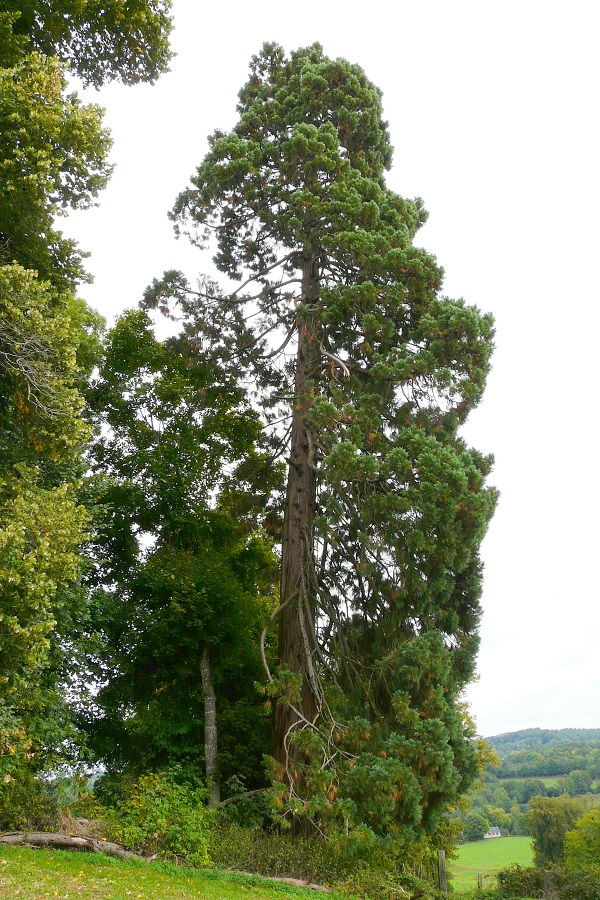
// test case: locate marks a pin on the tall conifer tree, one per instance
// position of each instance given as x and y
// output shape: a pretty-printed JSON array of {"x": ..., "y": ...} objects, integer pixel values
[{"x": 340, "y": 322}]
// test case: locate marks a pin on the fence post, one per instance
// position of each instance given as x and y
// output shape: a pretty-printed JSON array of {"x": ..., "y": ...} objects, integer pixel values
[{"x": 442, "y": 871}]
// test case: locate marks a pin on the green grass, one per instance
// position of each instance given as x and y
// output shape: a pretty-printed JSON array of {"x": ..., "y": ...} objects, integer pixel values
[
  {"x": 487, "y": 858},
  {"x": 48, "y": 874},
  {"x": 547, "y": 780}
]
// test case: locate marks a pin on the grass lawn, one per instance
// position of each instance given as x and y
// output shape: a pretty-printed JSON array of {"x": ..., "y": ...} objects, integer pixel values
[
  {"x": 486, "y": 858},
  {"x": 47, "y": 874}
]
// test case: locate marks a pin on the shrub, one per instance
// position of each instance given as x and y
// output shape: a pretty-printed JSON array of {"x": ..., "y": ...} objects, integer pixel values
[
  {"x": 520, "y": 881},
  {"x": 376, "y": 884},
  {"x": 163, "y": 818},
  {"x": 248, "y": 808},
  {"x": 269, "y": 852},
  {"x": 29, "y": 804},
  {"x": 347, "y": 864},
  {"x": 553, "y": 882}
]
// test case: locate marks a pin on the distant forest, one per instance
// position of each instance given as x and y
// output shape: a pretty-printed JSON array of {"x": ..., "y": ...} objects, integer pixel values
[
  {"x": 536, "y": 752},
  {"x": 532, "y": 763},
  {"x": 534, "y": 738}
]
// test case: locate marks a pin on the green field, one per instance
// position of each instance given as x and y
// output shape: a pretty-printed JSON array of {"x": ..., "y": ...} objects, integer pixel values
[
  {"x": 486, "y": 858},
  {"x": 547, "y": 780},
  {"x": 49, "y": 874}
]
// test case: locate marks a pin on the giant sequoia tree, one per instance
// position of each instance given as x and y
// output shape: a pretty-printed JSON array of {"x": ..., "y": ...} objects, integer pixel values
[{"x": 364, "y": 372}]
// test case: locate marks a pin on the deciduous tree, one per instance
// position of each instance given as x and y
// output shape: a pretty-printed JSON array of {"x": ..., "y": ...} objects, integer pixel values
[
  {"x": 582, "y": 844},
  {"x": 549, "y": 820},
  {"x": 99, "y": 41},
  {"x": 182, "y": 563},
  {"x": 53, "y": 157}
]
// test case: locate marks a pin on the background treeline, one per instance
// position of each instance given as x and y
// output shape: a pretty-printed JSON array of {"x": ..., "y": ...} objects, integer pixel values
[
  {"x": 564, "y": 762},
  {"x": 538, "y": 753}
]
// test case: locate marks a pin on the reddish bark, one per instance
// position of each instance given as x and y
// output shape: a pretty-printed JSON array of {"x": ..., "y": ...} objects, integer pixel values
[{"x": 298, "y": 532}]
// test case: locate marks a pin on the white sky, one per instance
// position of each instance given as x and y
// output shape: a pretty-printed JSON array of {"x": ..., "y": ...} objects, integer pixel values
[{"x": 493, "y": 112}]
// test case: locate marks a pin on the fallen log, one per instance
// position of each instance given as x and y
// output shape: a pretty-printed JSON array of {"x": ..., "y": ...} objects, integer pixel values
[
  {"x": 297, "y": 882},
  {"x": 98, "y": 845},
  {"x": 69, "y": 842}
]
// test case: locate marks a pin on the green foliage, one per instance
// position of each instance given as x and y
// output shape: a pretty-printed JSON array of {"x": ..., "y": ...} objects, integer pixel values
[
  {"x": 508, "y": 788},
  {"x": 28, "y": 804},
  {"x": 364, "y": 869},
  {"x": 373, "y": 884},
  {"x": 98, "y": 41},
  {"x": 553, "y": 882},
  {"x": 385, "y": 553},
  {"x": 53, "y": 158},
  {"x": 537, "y": 738},
  {"x": 578, "y": 782},
  {"x": 549, "y": 821},
  {"x": 395, "y": 774},
  {"x": 41, "y": 522},
  {"x": 521, "y": 881},
  {"x": 582, "y": 844},
  {"x": 268, "y": 852},
  {"x": 160, "y": 816},
  {"x": 475, "y": 826},
  {"x": 178, "y": 468},
  {"x": 536, "y": 752},
  {"x": 53, "y": 155}
]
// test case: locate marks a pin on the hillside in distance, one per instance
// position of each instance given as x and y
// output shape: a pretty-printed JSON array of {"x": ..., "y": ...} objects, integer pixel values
[
  {"x": 537, "y": 752},
  {"x": 536, "y": 738}
]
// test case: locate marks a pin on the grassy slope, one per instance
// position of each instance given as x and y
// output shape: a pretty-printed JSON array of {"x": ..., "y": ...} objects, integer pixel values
[
  {"x": 487, "y": 857},
  {"x": 547, "y": 780},
  {"x": 39, "y": 874}
]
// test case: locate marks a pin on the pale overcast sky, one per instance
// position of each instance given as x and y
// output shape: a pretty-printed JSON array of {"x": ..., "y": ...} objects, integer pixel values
[{"x": 493, "y": 112}]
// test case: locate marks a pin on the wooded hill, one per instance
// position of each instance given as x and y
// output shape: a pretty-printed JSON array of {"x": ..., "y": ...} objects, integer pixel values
[
  {"x": 536, "y": 752},
  {"x": 534, "y": 738},
  {"x": 532, "y": 763}
]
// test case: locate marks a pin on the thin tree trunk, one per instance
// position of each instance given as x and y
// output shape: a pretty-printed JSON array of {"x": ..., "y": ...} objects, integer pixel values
[
  {"x": 297, "y": 541},
  {"x": 210, "y": 728}
]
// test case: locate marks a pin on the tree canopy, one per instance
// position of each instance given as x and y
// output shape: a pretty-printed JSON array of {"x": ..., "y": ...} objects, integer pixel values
[
  {"x": 183, "y": 569},
  {"x": 331, "y": 355},
  {"x": 364, "y": 373},
  {"x": 53, "y": 158},
  {"x": 99, "y": 41},
  {"x": 549, "y": 821}
]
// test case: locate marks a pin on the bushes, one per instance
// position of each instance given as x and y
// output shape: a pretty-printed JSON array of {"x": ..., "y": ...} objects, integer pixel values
[
  {"x": 552, "y": 882},
  {"x": 265, "y": 852},
  {"x": 159, "y": 816},
  {"x": 351, "y": 869},
  {"x": 28, "y": 804}
]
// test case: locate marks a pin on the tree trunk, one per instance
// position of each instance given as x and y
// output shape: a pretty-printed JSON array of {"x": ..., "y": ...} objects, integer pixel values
[
  {"x": 296, "y": 619},
  {"x": 210, "y": 728},
  {"x": 68, "y": 842}
]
